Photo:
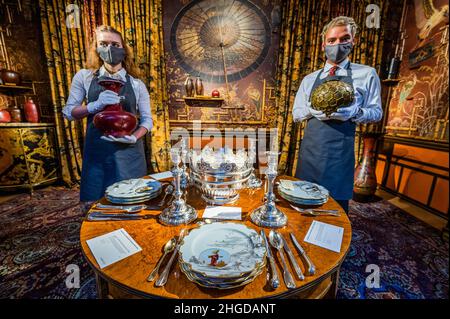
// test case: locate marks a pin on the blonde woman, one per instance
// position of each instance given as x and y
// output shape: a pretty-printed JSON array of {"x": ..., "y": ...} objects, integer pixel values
[{"x": 107, "y": 160}]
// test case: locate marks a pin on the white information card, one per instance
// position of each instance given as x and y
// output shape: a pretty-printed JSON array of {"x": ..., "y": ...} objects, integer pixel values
[
  {"x": 112, "y": 247},
  {"x": 223, "y": 212},
  {"x": 325, "y": 235},
  {"x": 162, "y": 175}
]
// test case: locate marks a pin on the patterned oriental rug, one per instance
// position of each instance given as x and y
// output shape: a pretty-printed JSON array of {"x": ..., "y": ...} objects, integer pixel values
[{"x": 39, "y": 239}]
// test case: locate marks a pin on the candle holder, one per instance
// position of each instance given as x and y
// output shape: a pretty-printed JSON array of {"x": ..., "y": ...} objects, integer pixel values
[
  {"x": 253, "y": 181},
  {"x": 268, "y": 215},
  {"x": 179, "y": 212},
  {"x": 184, "y": 179}
]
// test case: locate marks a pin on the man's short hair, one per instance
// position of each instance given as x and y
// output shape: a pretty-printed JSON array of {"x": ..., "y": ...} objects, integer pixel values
[{"x": 340, "y": 21}]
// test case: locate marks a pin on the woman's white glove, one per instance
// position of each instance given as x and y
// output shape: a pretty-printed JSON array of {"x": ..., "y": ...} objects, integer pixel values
[
  {"x": 127, "y": 139},
  {"x": 107, "y": 97}
]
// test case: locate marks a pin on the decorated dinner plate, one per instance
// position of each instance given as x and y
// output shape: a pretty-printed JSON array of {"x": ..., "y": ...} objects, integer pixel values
[
  {"x": 218, "y": 284},
  {"x": 300, "y": 201},
  {"x": 303, "y": 190},
  {"x": 222, "y": 250},
  {"x": 133, "y": 188},
  {"x": 132, "y": 201}
]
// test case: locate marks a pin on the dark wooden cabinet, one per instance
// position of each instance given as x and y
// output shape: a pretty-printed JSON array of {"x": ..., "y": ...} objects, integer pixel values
[{"x": 27, "y": 155}]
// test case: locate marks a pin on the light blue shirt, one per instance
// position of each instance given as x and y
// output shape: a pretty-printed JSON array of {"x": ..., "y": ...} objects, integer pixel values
[
  {"x": 80, "y": 88},
  {"x": 366, "y": 85}
]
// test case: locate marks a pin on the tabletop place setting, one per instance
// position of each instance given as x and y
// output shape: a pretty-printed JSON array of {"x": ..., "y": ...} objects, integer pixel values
[{"x": 219, "y": 250}]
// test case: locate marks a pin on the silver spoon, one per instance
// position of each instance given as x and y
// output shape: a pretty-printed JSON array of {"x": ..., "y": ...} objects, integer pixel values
[
  {"x": 169, "y": 190},
  {"x": 168, "y": 247},
  {"x": 277, "y": 243}
]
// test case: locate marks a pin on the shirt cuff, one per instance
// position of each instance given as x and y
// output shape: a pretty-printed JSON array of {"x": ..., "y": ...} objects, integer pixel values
[
  {"x": 148, "y": 124},
  {"x": 67, "y": 112},
  {"x": 360, "y": 116}
]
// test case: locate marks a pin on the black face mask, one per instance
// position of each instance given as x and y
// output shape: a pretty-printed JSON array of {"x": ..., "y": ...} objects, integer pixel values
[
  {"x": 337, "y": 53},
  {"x": 111, "y": 55}
]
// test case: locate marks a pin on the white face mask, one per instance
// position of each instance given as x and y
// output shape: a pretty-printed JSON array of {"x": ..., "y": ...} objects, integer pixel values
[{"x": 338, "y": 52}]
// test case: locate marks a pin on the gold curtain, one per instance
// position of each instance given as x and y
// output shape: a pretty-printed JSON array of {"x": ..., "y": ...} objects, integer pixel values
[
  {"x": 140, "y": 22},
  {"x": 64, "y": 42},
  {"x": 300, "y": 54}
]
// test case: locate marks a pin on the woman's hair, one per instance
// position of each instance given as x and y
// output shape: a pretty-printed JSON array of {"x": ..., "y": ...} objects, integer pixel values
[
  {"x": 94, "y": 62},
  {"x": 340, "y": 21}
]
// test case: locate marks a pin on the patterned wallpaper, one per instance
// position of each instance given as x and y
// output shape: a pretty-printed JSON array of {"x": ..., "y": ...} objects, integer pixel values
[
  {"x": 420, "y": 103},
  {"x": 25, "y": 50}
]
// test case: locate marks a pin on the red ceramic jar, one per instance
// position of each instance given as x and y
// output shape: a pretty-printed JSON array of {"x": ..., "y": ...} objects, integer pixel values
[
  {"x": 113, "y": 120},
  {"x": 5, "y": 117},
  {"x": 31, "y": 112}
]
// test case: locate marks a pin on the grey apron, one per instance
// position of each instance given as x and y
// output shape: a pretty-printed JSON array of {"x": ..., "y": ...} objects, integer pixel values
[
  {"x": 105, "y": 163},
  {"x": 327, "y": 150}
]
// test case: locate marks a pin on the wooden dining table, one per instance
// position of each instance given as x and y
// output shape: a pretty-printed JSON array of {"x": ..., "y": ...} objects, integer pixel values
[{"x": 127, "y": 278}]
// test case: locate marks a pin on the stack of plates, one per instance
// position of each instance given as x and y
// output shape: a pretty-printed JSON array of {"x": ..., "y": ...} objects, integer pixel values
[
  {"x": 133, "y": 191},
  {"x": 303, "y": 192},
  {"x": 222, "y": 255}
]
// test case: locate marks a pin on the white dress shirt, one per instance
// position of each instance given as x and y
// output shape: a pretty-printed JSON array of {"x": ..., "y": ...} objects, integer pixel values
[
  {"x": 80, "y": 88},
  {"x": 366, "y": 85}
]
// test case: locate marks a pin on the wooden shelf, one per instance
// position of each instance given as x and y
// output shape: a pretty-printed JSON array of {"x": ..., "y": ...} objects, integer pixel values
[
  {"x": 14, "y": 89},
  {"x": 203, "y": 101},
  {"x": 393, "y": 81}
]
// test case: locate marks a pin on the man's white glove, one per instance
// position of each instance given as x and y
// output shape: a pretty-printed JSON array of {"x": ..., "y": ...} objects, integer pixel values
[
  {"x": 345, "y": 113},
  {"x": 318, "y": 114},
  {"x": 107, "y": 97},
  {"x": 127, "y": 139}
]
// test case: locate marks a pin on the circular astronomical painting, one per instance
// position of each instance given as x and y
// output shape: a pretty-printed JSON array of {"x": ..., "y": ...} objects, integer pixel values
[{"x": 211, "y": 38}]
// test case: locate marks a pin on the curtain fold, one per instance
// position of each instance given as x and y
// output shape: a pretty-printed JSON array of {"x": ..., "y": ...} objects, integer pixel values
[
  {"x": 140, "y": 22},
  {"x": 64, "y": 42},
  {"x": 300, "y": 54}
]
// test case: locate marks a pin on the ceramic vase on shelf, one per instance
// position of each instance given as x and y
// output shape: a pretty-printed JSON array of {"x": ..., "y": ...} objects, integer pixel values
[
  {"x": 5, "y": 117},
  {"x": 365, "y": 180},
  {"x": 199, "y": 89},
  {"x": 16, "y": 114},
  {"x": 113, "y": 120},
  {"x": 31, "y": 111},
  {"x": 10, "y": 77},
  {"x": 189, "y": 87}
]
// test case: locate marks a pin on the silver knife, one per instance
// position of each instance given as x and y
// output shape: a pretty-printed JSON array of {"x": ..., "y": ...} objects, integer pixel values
[
  {"x": 275, "y": 282},
  {"x": 311, "y": 267},
  {"x": 294, "y": 263}
]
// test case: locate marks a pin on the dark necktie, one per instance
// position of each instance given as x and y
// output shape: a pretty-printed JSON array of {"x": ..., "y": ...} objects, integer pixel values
[{"x": 333, "y": 70}]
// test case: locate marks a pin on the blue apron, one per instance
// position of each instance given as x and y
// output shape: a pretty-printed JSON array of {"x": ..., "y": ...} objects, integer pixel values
[
  {"x": 327, "y": 150},
  {"x": 105, "y": 163}
]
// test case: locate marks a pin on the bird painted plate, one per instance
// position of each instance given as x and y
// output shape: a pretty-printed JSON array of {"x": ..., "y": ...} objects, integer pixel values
[
  {"x": 304, "y": 202},
  {"x": 303, "y": 190},
  {"x": 136, "y": 188},
  {"x": 222, "y": 250}
]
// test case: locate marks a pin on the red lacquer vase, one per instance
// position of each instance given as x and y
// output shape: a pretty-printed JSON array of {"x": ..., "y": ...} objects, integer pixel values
[
  {"x": 31, "y": 111},
  {"x": 113, "y": 120}
]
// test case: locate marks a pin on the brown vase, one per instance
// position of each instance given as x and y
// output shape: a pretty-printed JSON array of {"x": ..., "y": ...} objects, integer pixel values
[
  {"x": 199, "y": 86},
  {"x": 5, "y": 117},
  {"x": 31, "y": 111},
  {"x": 10, "y": 77},
  {"x": 365, "y": 180},
  {"x": 16, "y": 114},
  {"x": 189, "y": 87}
]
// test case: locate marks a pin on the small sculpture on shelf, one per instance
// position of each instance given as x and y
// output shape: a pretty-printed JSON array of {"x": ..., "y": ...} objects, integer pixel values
[
  {"x": 31, "y": 111},
  {"x": 268, "y": 215},
  {"x": 179, "y": 212},
  {"x": 199, "y": 89},
  {"x": 189, "y": 87}
]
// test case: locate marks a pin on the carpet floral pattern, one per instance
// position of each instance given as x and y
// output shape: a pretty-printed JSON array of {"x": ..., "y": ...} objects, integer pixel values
[{"x": 39, "y": 238}]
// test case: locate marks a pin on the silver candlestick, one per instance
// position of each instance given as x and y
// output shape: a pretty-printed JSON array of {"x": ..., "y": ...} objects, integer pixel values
[
  {"x": 179, "y": 212},
  {"x": 184, "y": 182},
  {"x": 268, "y": 215},
  {"x": 253, "y": 181}
]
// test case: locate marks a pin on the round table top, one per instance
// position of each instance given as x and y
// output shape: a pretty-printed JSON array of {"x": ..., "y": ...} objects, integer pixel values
[{"x": 130, "y": 274}]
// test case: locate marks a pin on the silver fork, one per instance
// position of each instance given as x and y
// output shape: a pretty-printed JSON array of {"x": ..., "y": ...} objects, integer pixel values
[{"x": 316, "y": 212}]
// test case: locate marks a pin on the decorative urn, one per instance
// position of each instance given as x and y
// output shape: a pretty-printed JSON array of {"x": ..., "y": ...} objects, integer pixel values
[
  {"x": 113, "y": 120},
  {"x": 10, "y": 77}
]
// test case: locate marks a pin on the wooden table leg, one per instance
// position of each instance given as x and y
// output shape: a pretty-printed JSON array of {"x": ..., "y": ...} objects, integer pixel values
[
  {"x": 334, "y": 286},
  {"x": 102, "y": 287}
]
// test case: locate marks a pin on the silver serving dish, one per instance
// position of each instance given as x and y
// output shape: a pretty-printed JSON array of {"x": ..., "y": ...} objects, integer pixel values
[{"x": 220, "y": 175}]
